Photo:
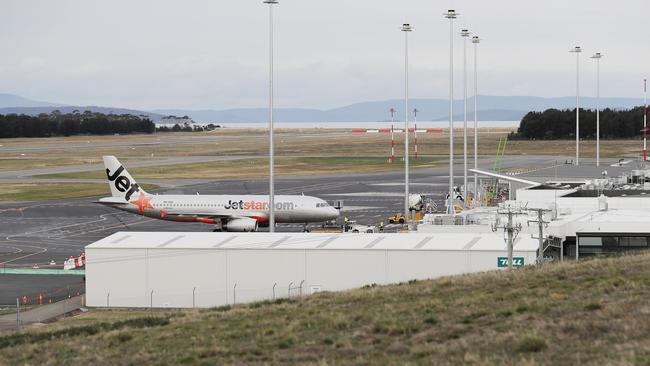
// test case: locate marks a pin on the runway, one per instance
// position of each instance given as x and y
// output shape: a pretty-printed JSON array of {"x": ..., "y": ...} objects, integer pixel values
[{"x": 39, "y": 232}]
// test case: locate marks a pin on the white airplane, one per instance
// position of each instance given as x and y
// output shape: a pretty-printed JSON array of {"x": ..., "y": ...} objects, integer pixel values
[{"x": 228, "y": 212}]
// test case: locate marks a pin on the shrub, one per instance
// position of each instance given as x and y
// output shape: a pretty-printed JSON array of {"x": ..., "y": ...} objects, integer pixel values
[
  {"x": 222, "y": 308},
  {"x": 593, "y": 306},
  {"x": 531, "y": 344},
  {"x": 431, "y": 320},
  {"x": 285, "y": 343},
  {"x": 86, "y": 330}
]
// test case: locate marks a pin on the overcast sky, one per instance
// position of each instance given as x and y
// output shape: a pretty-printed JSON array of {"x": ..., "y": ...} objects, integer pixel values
[{"x": 213, "y": 54}]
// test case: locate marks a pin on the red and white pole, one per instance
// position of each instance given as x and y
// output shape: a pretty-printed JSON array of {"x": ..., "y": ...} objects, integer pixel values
[
  {"x": 415, "y": 136},
  {"x": 392, "y": 144},
  {"x": 645, "y": 118},
  {"x": 392, "y": 136},
  {"x": 415, "y": 131}
]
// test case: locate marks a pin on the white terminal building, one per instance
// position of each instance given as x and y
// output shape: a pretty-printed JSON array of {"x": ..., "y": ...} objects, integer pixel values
[
  {"x": 189, "y": 269},
  {"x": 602, "y": 216}
]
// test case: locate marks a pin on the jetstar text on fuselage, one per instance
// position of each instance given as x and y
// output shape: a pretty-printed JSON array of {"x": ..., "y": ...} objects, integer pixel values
[{"x": 257, "y": 205}]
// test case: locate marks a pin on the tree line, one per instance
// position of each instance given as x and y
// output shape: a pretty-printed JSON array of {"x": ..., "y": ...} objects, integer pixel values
[
  {"x": 561, "y": 124},
  {"x": 70, "y": 124}
]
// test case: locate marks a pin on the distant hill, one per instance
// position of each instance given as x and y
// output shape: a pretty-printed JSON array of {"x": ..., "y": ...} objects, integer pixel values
[
  {"x": 11, "y": 100},
  {"x": 33, "y": 111},
  {"x": 10, "y": 103},
  {"x": 491, "y": 108}
]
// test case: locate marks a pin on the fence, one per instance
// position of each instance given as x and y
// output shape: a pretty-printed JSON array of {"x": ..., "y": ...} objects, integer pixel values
[
  {"x": 197, "y": 297},
  {"x": 30, "y": 300}
]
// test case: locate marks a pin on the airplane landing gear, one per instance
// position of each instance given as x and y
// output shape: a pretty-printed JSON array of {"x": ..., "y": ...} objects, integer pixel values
[
  {"x": 304, "y": 228},
  {"x": 218, "y": 227}
]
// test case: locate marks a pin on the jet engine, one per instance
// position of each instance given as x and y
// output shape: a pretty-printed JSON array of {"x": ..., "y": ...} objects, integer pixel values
[{"x": 240, "y": 224}]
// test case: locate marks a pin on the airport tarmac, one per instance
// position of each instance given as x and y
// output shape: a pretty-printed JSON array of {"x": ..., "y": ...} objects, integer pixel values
[{"x": 38, "y": 232}]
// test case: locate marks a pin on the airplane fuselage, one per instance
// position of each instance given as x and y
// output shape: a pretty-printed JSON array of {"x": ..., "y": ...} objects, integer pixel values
[{"x": 209, "y": 208}]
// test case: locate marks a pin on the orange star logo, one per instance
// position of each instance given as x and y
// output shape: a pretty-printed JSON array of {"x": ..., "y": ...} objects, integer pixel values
[{"x": 142, "y": 202}]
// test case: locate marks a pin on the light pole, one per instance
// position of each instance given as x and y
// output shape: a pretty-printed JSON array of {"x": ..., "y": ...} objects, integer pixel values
[
  {"x": 271, "y": 147},
  {"x": 406, "y": 28},
  {"x": 465, "y": 34},
  {"x": 645, "y": 118},
  {"x": 451, "y": 15},
  {"x": 475, "y": 41},
  {"x": 597, "y": 56},
  {"x": 577, "y": 51}
]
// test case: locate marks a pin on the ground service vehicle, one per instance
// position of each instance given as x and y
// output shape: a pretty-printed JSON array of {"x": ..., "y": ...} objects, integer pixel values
[{"x": 397, "y": 218}]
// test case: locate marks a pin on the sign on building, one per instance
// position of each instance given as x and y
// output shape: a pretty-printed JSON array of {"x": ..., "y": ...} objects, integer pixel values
[{"x": 502, "y": 262}]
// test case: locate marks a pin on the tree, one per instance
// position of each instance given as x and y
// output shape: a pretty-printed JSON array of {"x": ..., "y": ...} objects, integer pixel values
[
  {"x": 59, "y": 124},
  {"x": 560, "y": 124}
]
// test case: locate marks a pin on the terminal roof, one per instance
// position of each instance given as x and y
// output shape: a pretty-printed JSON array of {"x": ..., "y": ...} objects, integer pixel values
[{"x": 324, "y": 241}]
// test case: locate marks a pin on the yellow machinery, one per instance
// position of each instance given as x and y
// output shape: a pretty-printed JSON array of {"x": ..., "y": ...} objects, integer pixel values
[{"x": 397, "y": 218}]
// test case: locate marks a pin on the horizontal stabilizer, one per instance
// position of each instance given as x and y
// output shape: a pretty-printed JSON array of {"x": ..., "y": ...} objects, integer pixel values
[{"x": 112, "y": 201}]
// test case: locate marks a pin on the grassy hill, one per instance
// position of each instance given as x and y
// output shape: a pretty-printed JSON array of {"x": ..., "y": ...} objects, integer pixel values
[{"x": 593, "y": 312}]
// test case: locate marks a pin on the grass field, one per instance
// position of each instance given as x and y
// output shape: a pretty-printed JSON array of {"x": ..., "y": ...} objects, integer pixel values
[
  {"x": 298, "y": 152},
  {"x": 22, "y": 163},
  {"x": 594, "y": 312},
  {"x": 308, "y": 142},
  {"x": 52, "y": 191},
  {"x": 253, "y": 168}
]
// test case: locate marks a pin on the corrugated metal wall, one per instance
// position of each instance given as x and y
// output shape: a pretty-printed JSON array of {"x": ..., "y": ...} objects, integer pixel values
[{"x": 180, "y": 278}]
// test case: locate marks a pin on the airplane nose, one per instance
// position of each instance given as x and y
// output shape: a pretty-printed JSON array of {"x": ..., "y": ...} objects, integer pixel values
[{"x": 333, "y": 213}]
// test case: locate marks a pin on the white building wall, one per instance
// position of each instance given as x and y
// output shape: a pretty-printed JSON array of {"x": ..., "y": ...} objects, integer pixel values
[
  {"x": 117, "y": 277},
  {"x": 254, "y": 271},
  {"x": 345, "y": 269},
  {"x": 207, "y": 277},
  {"x": 174, "y": 274},
  {"x": 405, "y": 265}
]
